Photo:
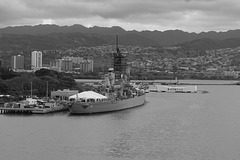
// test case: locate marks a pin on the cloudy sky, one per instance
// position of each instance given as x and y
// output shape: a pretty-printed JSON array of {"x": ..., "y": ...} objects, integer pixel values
[{"x": 186, "y": 15}]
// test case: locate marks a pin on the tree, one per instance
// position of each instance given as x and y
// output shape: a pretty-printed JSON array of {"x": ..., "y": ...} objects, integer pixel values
[
  {"x": 3, "y": 87},
  {"x": 6, "y": 73}
]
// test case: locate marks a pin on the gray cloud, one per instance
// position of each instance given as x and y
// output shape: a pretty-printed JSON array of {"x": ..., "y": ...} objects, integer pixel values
[{"x": 189, "y": 15}]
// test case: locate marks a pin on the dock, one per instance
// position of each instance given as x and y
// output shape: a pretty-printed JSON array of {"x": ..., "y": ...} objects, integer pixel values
[
  {"x": 34, "y": 106},
  {"x": 4, "y": 110}
]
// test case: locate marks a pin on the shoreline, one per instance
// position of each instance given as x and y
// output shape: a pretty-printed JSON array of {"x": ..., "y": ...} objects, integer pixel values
[
  {"x": 206, "y": 84},
  {"x": 172, "y": 82},
  {"x": 189, "y": 82}
]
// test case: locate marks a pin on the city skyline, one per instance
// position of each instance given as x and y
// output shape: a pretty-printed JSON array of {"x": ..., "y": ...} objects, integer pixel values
[{"x": 187, "y": 15}]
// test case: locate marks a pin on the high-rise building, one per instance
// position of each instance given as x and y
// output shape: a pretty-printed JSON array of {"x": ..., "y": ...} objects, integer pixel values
[
  {"x": 61, "y": 65},
  {"x": 36, "y": 60},
  {"x": 67, "y": 65},
  {"x": 17, "y": 62},
  {"x": 56, "y": 65},
  {"x": 86, "y": 66}
]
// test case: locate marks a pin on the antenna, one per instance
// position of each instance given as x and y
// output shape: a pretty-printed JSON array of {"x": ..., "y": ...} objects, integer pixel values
[
  {"x": 117, "y": 43},
  {"x": 119, "y": 62}
]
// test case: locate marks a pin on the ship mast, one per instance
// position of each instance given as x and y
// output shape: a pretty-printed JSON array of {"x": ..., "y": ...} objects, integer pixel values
[
  {"x": 119, "y": 62},
  {"x": 117, "y": 49}
]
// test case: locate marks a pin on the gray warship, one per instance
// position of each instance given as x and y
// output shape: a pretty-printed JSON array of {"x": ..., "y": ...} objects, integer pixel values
[{"x": 114, "y": 94}]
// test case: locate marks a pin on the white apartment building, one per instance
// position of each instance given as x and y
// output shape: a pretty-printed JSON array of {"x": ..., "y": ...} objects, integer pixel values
[
  {"x": 17, "y": 62},
  {"x": 36, "y": 60}
]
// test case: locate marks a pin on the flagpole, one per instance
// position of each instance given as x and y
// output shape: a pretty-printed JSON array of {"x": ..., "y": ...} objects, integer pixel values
[
  {"x": 47, "y": 90},
  {"x": 31, "y": 89}
]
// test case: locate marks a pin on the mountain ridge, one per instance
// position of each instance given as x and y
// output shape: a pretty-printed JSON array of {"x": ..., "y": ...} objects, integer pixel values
[{"x": 133, "y": 37}]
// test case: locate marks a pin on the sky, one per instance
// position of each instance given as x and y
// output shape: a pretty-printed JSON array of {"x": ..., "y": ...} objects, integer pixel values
[{"x": 187, "y": 15}]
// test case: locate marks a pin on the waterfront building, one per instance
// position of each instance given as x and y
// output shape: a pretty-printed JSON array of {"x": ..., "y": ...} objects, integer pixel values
[
  {"x": 63, "y": 94},
  {"x": 36, "y": 60},
  {"x": 17, "y": 62}
]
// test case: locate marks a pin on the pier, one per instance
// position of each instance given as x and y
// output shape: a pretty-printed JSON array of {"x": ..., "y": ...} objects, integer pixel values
[
  {"x": 4, "y": 110},
  {"x": 17, "y": 110},
  {"x": 30, "y": 110}
]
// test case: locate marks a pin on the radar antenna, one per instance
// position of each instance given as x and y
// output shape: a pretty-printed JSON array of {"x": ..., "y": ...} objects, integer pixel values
[{"x": 119, "y": 62}]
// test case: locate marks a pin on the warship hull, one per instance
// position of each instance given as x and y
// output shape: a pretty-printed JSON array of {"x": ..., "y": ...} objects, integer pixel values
[{"x": 108, "y": 106}]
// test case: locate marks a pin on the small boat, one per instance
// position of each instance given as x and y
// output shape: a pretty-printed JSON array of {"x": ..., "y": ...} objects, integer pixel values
[
  {"x": 36, "y": 106},
  {"x": 50, "y": 106},
  {"x": 147, "y": 91},
  {"x": 152, "y": 88}
]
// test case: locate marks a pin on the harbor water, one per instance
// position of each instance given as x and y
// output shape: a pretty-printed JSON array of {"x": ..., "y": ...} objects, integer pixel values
[{"x": 169, "y": 126}]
